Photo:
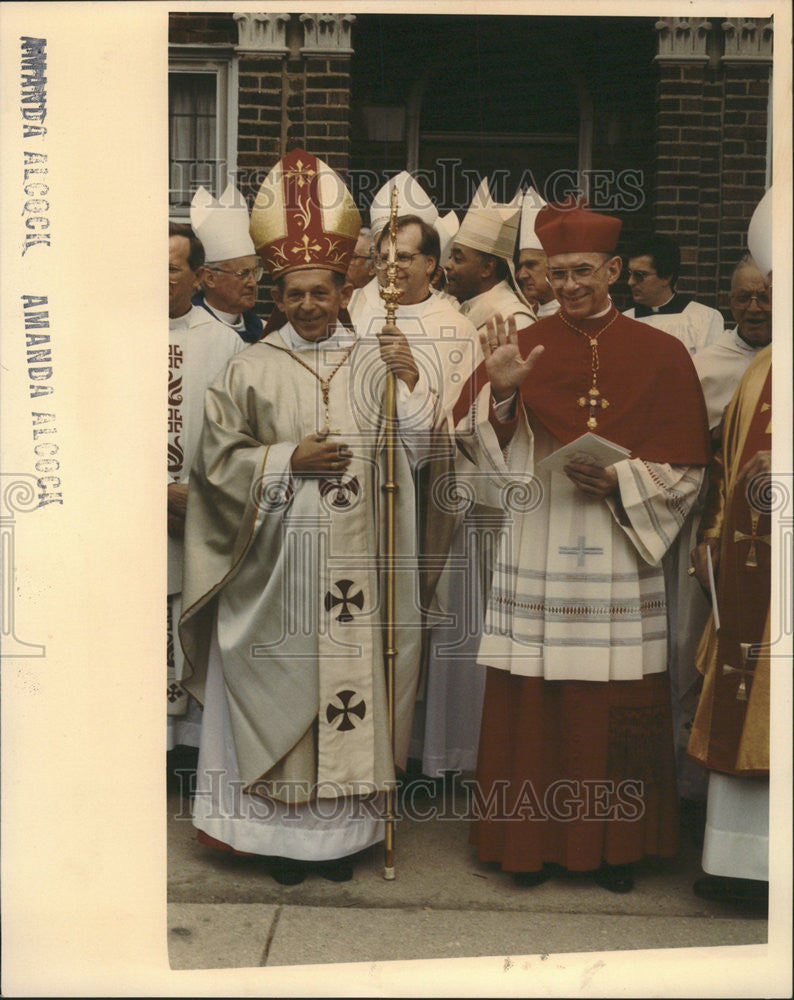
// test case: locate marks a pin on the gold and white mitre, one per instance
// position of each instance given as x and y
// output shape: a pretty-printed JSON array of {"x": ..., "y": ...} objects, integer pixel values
[
  {"x": 490, "y": 227},
  {"x": 304, "y": 216}
]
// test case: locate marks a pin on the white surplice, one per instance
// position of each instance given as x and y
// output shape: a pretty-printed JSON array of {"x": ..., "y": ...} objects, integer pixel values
[
  {"x": 578, "y": 588},
  {"x": 199, "y": 347},
  {"x": 447, "y": 719}
]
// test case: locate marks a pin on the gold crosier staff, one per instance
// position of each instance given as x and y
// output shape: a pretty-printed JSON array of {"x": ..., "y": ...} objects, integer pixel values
[{"x": 390, "y": 293}]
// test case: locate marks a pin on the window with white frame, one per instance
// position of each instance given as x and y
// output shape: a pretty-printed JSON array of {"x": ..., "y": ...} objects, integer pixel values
[{"x": 202, "y": 119}]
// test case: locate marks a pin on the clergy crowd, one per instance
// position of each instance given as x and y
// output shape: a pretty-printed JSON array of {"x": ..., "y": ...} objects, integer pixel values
[{"x": 446, "y": 450}]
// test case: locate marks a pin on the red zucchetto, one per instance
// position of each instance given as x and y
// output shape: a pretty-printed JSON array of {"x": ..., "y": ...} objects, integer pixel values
[{"x": 569, "y": 227}]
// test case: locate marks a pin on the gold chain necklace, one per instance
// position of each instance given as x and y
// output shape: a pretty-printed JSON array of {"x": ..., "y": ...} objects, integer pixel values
[
  {"x": 594, "y": 400},
  {"x": 325, "y": 383}
]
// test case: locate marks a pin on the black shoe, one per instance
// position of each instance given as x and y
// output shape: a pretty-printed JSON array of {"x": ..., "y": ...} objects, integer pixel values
[
  {"x": 338, "y": 870},
  {"x": 721, "y": 889},
  {"x": 287, "y": 871},
  {"x": 615, "y": 878},
  {"x": 529, "y": 879}
]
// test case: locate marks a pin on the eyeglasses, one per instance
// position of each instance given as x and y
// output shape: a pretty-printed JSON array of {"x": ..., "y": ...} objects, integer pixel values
[
  {"x": 404, "y": 260},
  {"x": 559, "y": 275},
  {"x": 745, "y": 298},
  {"x": 640, "y": 276},
  {"x": 243, "y": 275}
]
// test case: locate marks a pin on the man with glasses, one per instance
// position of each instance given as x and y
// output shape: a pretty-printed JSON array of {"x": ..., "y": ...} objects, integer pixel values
[
  {"x": 654, "y": 266},
  {"x": 724, "y": 362},
  {"x": 232, "y": 271},
  {"x": 576, "y": 765},
  {"x": 446, "y": 342}
]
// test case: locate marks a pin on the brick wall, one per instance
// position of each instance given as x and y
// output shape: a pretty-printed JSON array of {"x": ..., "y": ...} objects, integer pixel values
[
  {"x": 289, "y": 103},
  {"x": 285, "y": 104},
  {"x": 711, "y": 126},
  {"x": 743, "y": 157},
  {"x": 259, "y": 120}
]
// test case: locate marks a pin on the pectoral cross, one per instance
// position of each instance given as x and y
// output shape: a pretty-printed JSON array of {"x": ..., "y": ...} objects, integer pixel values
[
  {"x": 727, "y": 669},
  {"x": 596, "y": 402},
  {"x": 739, "y": 536},
  {"x": 325, "y": 388}
]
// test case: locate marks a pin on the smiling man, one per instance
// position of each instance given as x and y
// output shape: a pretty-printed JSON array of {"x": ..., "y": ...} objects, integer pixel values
[
  {"x": 654, "y": 266},
  {"x": 282, "y": 571},
  {"x": 478, "y": 269},
  {"x": 575, "y": 638},
  {"x": 232, "y": 270}
]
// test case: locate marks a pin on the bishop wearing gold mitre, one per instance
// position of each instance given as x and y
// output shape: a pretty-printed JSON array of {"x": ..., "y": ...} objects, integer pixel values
[
  {"x": 282, "y": 627},
  {"x": 730, "y": 732}
]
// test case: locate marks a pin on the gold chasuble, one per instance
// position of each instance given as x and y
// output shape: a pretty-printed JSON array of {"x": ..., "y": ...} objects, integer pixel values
[{"x": 731, "y": 728}]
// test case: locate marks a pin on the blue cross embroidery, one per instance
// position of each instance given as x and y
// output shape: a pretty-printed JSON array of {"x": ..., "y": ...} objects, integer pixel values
[{"x": 580, "y": 550}]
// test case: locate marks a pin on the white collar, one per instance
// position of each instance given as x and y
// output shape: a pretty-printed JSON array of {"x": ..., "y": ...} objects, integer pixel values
[{"x": 340, "y": 338}]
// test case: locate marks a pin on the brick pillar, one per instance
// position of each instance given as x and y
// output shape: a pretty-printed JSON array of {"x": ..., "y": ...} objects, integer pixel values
[
  {"x": 688, "y": 117},
  {"x": 262, "y": 50},
  {"x": 712, "y": 109},
  {"x": 321, "y": 122},
  {"x": 746, "y": 65}
]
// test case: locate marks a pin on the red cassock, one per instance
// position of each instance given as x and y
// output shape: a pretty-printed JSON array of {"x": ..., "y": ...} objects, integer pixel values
[{"x": 540, "y": 735}]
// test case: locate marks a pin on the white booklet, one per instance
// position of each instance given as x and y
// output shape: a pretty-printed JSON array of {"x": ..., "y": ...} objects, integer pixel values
[{"x": 589, "y": 449}]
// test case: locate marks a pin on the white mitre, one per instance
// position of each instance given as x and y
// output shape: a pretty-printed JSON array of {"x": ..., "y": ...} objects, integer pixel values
[
  {"x": 446, "y": 226},
  {"x": 531, "y": 204},
  {"x": 222, "y": 225},
  {"x": 412, "y": 199},
  {"x": 759, "y": 234},
  {"x": 490, "y": 227}
]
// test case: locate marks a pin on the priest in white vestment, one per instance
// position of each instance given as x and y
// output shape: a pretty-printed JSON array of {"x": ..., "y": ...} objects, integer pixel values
[
  {"x": 447, "y": 727},
  {"x": 284, "y": 553},
  {"x": 446, "y": 347},
  {"x": 198, "y": 348}
]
